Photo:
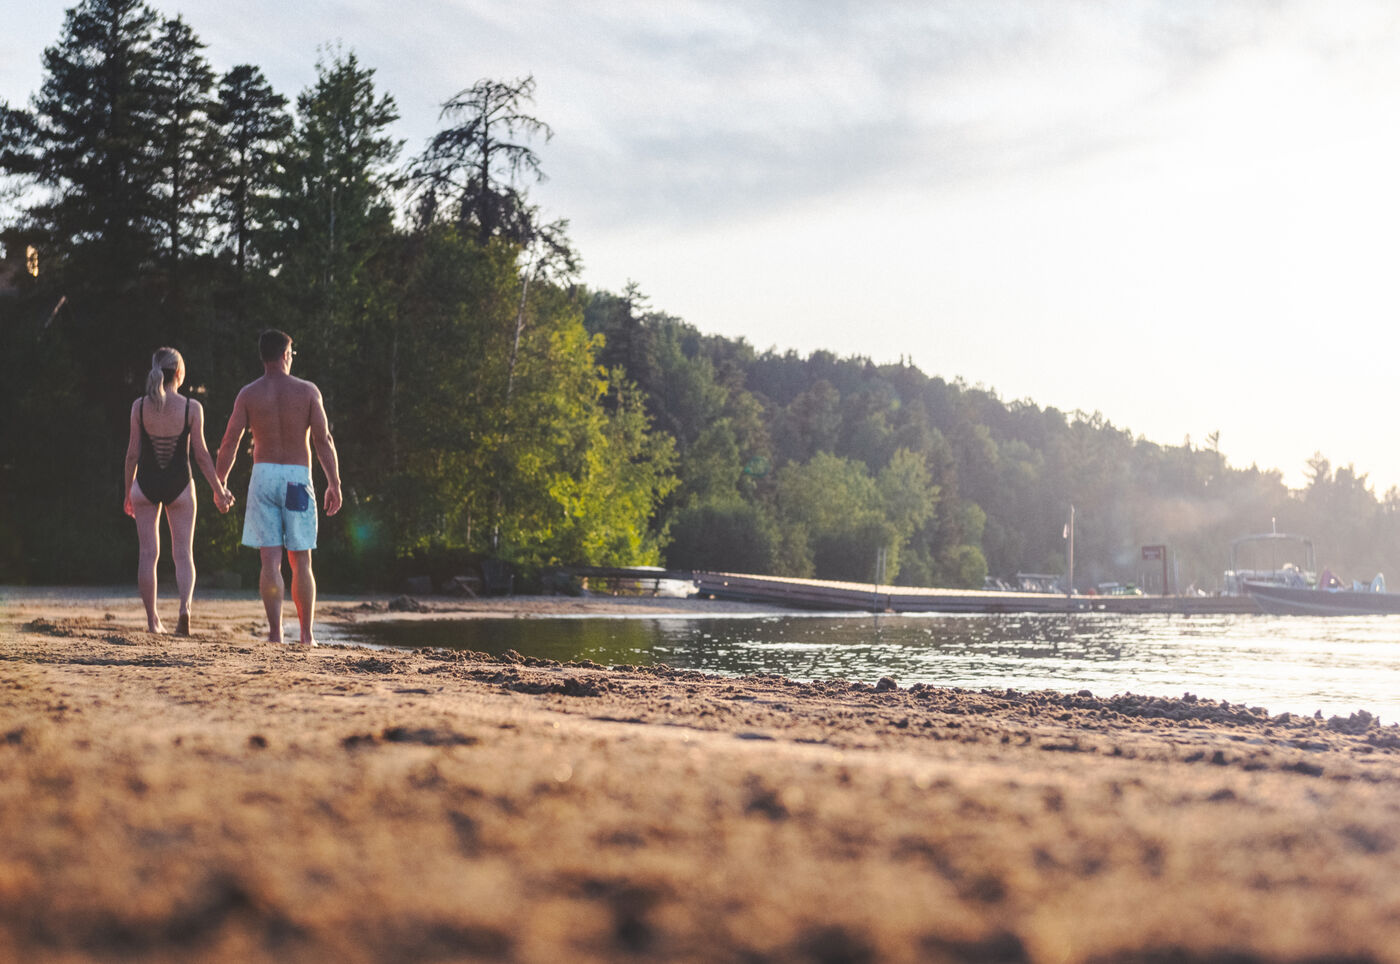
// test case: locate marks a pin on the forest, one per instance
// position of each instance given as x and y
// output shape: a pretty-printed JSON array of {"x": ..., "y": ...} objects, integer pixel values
[{"x": 486, "y": 404}]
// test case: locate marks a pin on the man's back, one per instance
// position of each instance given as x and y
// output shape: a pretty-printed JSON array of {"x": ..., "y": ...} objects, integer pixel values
[{"x": 280, "y": 410}]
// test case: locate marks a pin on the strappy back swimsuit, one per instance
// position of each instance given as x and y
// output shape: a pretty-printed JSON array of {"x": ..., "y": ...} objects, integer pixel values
[{"x": 163, "y": 471}]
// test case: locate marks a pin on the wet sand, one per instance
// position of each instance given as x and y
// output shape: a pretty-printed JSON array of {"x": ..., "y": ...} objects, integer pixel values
[{"x": 220, "y": 798}]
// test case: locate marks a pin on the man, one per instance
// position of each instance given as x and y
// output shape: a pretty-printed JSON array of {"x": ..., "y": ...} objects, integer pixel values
[{"x": 287, "y": 417}]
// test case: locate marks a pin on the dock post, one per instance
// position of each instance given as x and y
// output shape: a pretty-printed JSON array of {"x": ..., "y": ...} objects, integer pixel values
[{"x": 1069, "y": 534}]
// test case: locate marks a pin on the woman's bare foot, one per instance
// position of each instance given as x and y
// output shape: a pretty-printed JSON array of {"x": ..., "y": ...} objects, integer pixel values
[
  {"x": 182, "y": 625},
  {"x": 155, "y": 625}
]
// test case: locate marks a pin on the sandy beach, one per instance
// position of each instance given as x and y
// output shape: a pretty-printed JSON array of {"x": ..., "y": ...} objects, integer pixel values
[{"x": 220, "y": 798}]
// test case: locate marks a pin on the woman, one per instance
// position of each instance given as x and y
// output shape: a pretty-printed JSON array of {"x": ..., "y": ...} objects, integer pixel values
[{"x": 165, "y": 427}]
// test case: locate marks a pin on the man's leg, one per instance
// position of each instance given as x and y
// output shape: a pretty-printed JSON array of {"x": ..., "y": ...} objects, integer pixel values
[
  {"x": 272, "y": 588},
  {"x": 303, "y": 592}
]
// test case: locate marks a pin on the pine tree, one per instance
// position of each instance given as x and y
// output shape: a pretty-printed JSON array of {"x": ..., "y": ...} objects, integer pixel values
[
  {"x": 94, "y": 116},
  {"x": 471, "y": 173},
  {"x": 253, "y": 125},
  {"x": 332, "y": 212},
  {"x": 186, "y": 143},
  {"x": 17, "y": 134},
  {"x": 330, "y": 240}
]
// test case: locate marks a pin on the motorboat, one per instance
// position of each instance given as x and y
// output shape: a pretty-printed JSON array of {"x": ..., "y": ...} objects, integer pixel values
[
  {"x": 1362, "y": 599},
  {"x": 1290, "y": 563},
  {"x": 1289, "y": 584}
]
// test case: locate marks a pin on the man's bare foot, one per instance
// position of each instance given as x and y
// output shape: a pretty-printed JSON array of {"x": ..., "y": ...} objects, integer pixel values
[
  {"x": 182, "y": 625},
  {"x": 155, "y": 627}
]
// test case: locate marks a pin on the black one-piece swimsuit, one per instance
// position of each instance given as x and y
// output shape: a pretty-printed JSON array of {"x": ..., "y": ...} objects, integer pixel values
[{"x": 163, "y": 471}]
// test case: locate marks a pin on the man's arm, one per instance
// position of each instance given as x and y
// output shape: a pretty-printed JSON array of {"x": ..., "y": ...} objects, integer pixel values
[
  {"x": 222, "y": 497},
  {"x": 325, "y": 452},
  {"x": 233, "y": 434}
]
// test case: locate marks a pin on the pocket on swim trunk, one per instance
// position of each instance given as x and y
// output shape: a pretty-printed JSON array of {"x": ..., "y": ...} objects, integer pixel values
[{"x": 298, "y": 497}]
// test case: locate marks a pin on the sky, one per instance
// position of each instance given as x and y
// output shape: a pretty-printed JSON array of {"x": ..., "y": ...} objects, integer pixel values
[{"x": 1182, "y": 214}]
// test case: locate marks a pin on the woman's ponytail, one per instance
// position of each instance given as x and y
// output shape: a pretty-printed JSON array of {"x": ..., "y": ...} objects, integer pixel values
[{"x": 165, "y": 367}]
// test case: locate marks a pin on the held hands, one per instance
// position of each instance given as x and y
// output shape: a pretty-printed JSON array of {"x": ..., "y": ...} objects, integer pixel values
[
  {"x": 126, "y": 504},
  {"x": 223, "y": 499}
]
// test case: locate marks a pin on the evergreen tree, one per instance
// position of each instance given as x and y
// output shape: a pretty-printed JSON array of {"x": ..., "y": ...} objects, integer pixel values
[
  {"x": 253, "y": 127},
  {"x": 95, "y": 115},
  {"x": 333, "y": 208},
  {"x": 471, "y": 173},
  {"x": 329, "y": 223},
  {"x": 186, "y": 143},
  {"x": 17, "y": 133}
]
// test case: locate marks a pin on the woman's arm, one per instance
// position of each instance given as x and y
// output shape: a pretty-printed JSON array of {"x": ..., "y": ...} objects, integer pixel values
[{"x": 133, "y": 455}]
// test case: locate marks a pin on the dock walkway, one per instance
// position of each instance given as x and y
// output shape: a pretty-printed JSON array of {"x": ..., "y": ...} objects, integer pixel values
[{"x": 827, "y": 595}]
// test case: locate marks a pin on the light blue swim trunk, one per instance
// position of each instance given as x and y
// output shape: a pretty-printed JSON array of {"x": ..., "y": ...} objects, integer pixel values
[{"x": 281, "y": 507}]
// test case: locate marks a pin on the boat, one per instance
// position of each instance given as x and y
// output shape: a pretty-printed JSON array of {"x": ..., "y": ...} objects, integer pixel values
[
  {"x": 1292, "y": 587},
  {"x": 1298, "y": 571},
  {"x": 1366, "y": 599}
]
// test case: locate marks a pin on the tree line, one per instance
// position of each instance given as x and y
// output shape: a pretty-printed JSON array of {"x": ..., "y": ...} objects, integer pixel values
[{"x": 485, "y": 403}]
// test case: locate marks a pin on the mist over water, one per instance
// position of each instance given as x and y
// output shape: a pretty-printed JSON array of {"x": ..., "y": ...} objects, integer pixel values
[{"x": 1294, "y": 664}]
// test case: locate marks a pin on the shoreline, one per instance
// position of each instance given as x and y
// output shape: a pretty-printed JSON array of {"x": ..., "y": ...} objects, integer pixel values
[{"x": 227, "y": 799}]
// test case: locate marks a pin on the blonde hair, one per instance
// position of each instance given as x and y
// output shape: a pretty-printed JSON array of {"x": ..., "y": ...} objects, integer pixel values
[{"x": 165, "y": 367}]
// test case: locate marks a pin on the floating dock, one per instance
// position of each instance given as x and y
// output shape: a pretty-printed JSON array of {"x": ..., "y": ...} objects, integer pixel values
[{"x": 830, "y": 596}]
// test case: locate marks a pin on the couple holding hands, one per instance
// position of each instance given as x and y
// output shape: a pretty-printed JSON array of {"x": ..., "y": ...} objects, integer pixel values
[{"x": 287, "y": 418}]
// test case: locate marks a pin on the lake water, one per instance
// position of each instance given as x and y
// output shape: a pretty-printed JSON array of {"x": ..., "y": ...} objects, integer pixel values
[{"x": 1299, "y": 664}]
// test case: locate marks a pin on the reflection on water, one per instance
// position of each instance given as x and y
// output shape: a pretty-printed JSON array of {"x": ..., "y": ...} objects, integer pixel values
[{"x": 1298, "y": 664}]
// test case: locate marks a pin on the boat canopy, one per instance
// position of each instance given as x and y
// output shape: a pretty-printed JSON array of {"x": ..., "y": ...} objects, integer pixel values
[
  {"x": 1309, "y": 563},
  {"x": 1297, "y": 549}
]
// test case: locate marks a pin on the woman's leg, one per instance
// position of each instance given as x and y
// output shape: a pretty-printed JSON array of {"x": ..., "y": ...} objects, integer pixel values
[
  {"x": 148, "y": 536},
  {"x": 180, "y": 516}
]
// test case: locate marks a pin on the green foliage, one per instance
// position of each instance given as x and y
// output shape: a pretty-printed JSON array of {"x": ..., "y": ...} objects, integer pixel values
[
  {"x": 963, "y": 567},
  {"x": 839, "y": 506},
  {"x": 733, "y": 536},
  {"x": 548, "y": 462}
]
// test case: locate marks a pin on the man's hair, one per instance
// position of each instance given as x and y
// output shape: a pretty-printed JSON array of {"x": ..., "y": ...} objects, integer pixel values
[{"x": 272, "y": 343}]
